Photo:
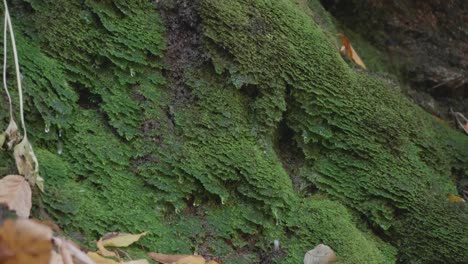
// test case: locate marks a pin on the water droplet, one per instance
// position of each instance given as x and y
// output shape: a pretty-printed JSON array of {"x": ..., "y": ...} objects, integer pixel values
[
  {"x": 21, "y": 76},
  {"x": 60, "y": 133},
  {"x": 132, "y": 72},
  {"x": 60, "y": 147},
  {"x": 47, "y": 128},
  {"x": 276, "y": 244}
]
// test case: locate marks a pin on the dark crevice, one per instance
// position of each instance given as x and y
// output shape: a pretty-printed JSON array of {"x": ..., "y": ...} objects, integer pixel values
[
  {"x": 86, "y": 98},
  {"x": 292, "y": 158},
  {"x": 184, "y": 46},
  {"x": 291, "y": 155},
  {"x": 251, "y": 91}
]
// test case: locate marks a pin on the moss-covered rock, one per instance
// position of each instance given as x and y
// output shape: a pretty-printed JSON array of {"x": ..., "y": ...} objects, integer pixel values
[
  {"x": 366, "y": 144},
  {"x": 191, "y": 153}
]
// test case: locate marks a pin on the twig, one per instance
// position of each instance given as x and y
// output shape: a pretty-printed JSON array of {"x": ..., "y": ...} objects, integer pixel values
[{"x": 75, "y": 252}]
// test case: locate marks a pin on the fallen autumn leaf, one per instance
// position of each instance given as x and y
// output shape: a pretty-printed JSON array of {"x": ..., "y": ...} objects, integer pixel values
[
  {"x": 178, "y": 259},
  {"x": 15, "y": 192},
  {"x": 349, "y": 51},
  {"x": 120, "y": 239}
]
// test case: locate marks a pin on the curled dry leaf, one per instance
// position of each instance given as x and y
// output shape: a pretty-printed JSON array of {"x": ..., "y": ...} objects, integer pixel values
[
  {"x": 98, "y": 259},
  {"x": 2, "y": 139},
  {"x": 15, "y": 192},
  {"x": 165, "y": 258},
  {"x": 27, "y": 164},
  {"x": 349, "y": 51},
  {"x": 461, "y": 120},
  {"x": 103, "y": 251},
  {"x": 25, "y": 242},
  {"x": 140, "y": 261},
  {"x": 120, "y": 239},
  {"x": 455, "y": 199},
  {"x": 191, "y": 260},
  {"x": 12, "y": 134},
  {"x": 177, "y": 259}
]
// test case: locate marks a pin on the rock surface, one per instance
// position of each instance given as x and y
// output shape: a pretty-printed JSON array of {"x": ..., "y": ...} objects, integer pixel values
[
  {"x": 428, "y": 39},
  {"x": 321, "y": 254}
]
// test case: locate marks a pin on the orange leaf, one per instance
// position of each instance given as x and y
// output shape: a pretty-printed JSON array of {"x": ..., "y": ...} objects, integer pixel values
[
  {"x": 15, "y": 192},
  {"x": 346, "y": 45},
  {"x": 350, "y": 52},
  {"x": 25, "y": 242}
]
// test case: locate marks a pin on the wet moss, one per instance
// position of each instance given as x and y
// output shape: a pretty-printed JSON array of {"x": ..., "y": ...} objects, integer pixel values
[
  {"x": 374, "y": 159},
  {"x": 203, "y": 173}
]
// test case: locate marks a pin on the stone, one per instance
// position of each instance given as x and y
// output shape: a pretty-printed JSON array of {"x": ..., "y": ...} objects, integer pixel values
[{"x": 321, "y": 254}]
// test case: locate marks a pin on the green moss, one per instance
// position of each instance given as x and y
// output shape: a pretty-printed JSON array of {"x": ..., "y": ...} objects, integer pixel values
[
  {"x": 203, "y": 173},
  {"x": 316, "y": 221},
  {"x": 379, "y": 161}
]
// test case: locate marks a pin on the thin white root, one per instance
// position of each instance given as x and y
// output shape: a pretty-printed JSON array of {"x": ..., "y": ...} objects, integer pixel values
[{"x": 18, "y": 74}]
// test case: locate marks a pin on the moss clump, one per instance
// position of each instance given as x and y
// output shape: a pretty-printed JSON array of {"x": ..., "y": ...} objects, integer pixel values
[
  {"x": 319, "y": 220},
  {"x": 375, "y": 159},
  {"x": 203, "y": 173}
]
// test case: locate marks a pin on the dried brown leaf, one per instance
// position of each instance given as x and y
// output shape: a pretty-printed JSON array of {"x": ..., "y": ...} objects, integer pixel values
[
  {"x": 99, "y": 259},
  {"x": 27, "y": 164},
  {"x": 455, "y": 199},
  {"x": 15, "y": 192},
  {"x": 346, "y": 45},
  {"x": 165, "y": 258},
  {"x": 25, "y": 242},
  {"x": 140, "y": 261},
  {"x": 120, "y": 239},
  {"x": 2, "y": 139},
  {"x": 355, "y": 57},
  {"x": 191, "y": 260},
  {"x": 103, "y": 251},
  {"x": 33, "y": 229},
  {"x": 348, "y": 49},
  {"x": 12, "y": 134}
]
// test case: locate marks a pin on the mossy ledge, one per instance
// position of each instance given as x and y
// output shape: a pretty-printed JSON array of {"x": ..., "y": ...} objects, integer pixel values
[{"x": 195, "y": 153}]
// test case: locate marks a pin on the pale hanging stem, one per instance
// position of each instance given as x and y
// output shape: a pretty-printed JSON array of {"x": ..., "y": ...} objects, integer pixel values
[
  {"x": 5, "y": 47},
  {"x": 18, "y": 74}
]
